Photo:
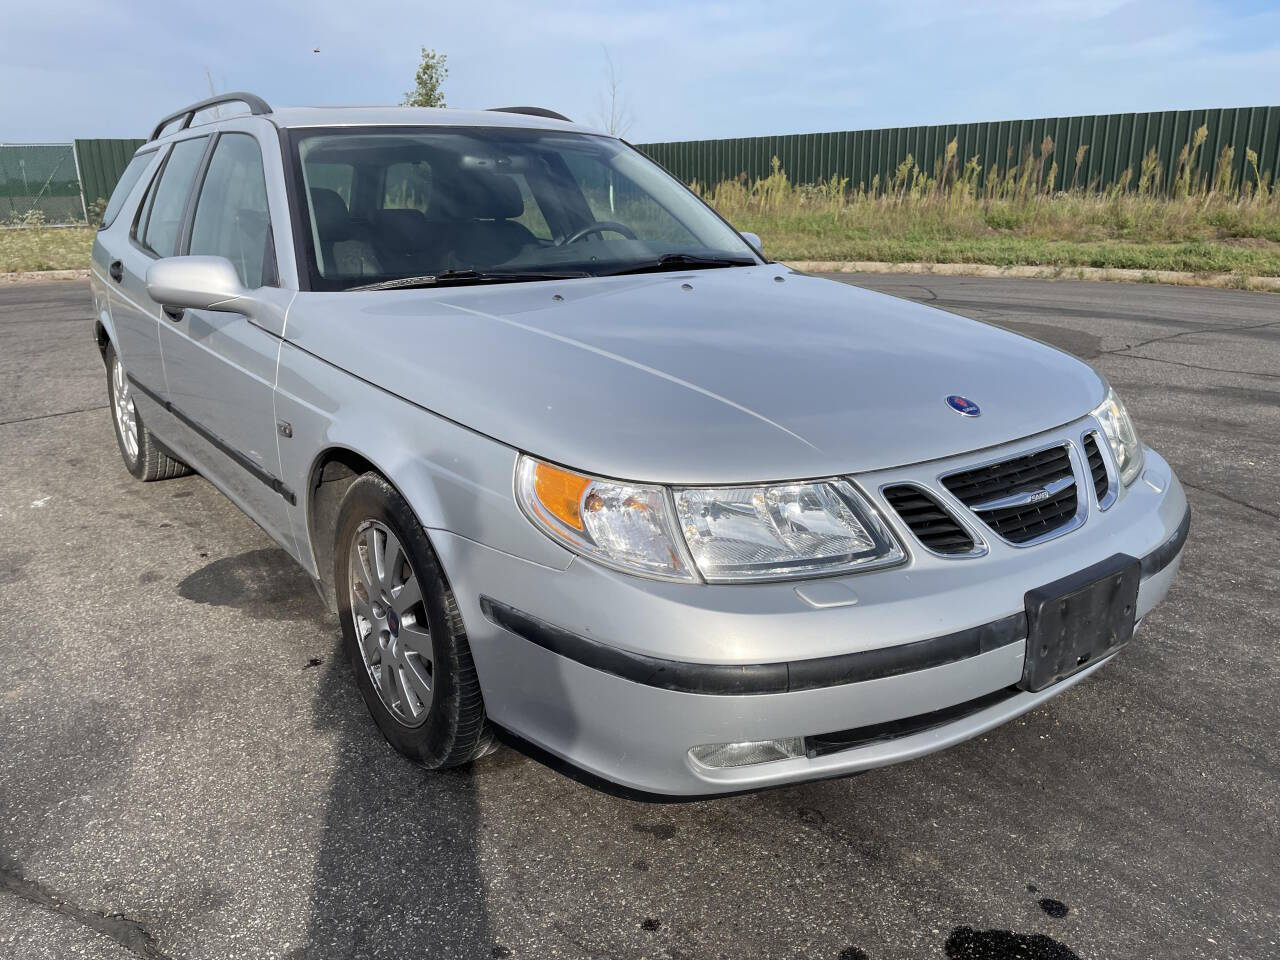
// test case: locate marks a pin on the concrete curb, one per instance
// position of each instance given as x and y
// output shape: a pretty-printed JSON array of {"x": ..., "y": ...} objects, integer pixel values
[
  {"x": 1221, "y": 280},
  {"x": 35, "y": 276}
]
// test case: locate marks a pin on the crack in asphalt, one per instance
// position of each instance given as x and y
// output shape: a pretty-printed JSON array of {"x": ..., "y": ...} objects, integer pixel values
[
  {"x": 1187, "y": 333},
  {"x": 50, "y": 416},
  {"x": 130, "y": 934},
  {"x": 1230, "y": 499},
  {"x": 1189, "y": 366}
]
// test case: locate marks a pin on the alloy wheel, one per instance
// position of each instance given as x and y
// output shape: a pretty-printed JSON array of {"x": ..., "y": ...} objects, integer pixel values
[
  {"x": 391, "y": 623},
  {"x": 123, "y": 410}
]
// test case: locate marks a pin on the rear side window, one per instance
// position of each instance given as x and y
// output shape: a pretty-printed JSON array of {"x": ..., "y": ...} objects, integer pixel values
[
  {"x": 163, "y": 219},
  {"x": 231, "y": 217},
  {"x": 407, "y": 186},
  {"x": 124, "y": 187}
]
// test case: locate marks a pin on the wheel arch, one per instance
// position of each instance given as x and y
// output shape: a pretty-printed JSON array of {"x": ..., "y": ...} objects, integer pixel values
[
  {"x": 332, "y": 473},
  {"x": 104, "y": 334}
]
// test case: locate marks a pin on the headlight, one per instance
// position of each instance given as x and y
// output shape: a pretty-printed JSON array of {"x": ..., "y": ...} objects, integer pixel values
[
  {"x": 731, "y": 534},
  {"x": 1121, "y": 436},
  {"x": 782, "y": 530},
  {"x": 623, "y": 525}
]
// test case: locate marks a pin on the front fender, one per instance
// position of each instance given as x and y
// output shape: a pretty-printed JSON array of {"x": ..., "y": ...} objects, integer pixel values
[{"x": 454, "y": 479}]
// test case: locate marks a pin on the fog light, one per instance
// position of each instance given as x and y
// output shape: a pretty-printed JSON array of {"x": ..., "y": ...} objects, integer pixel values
[{"x": 747, "y": 752}]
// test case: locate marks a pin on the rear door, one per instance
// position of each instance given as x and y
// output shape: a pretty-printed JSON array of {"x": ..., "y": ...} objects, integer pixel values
[
  {"x": 221, "y": 367},
  {"x": 107, "y": 276},
  {"x": 135, "y": 316}
]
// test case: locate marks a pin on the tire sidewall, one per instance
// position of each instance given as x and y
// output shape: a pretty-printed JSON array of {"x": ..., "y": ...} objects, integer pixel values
[{"x": 373, "y": 498}]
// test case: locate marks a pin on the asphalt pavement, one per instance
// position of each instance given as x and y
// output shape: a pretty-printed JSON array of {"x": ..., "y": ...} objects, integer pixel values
[{"x": 186, "y": 769}]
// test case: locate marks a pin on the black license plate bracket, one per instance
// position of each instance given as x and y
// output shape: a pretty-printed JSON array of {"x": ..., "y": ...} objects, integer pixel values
[{"x": 1079, "y": 619}]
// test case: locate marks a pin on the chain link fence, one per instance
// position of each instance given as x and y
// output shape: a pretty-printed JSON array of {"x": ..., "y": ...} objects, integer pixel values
[{"x": 40, "y": 184}]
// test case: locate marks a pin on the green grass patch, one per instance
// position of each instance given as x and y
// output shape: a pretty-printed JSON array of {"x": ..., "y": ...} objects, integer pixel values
[{"x": 44, "y": 248}]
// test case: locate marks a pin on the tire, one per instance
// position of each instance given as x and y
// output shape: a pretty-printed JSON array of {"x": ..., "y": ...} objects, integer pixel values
[
  {"x": 143, "y": 457},
  {"x": 420, "y": 686}
]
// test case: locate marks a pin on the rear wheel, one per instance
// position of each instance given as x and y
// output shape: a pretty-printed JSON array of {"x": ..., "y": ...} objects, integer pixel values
[
  {"x": 142, "y": 455},
  {"x": 403, "y": 632}
]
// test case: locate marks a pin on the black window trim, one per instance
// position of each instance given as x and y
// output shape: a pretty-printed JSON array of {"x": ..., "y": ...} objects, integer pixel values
[
  {"x": 143, "y": 206},
  {"x": 186, "y": 209}
]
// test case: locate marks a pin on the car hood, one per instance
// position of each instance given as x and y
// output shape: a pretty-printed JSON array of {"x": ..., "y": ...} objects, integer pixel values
[{"x": 715, "y": 376}]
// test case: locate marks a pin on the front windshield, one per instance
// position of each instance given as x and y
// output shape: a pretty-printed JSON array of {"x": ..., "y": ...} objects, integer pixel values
[{"x": 385, "y": 205}]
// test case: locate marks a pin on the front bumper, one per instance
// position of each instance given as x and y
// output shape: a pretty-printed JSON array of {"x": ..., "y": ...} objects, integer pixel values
[{"x": 621, "y": 676}]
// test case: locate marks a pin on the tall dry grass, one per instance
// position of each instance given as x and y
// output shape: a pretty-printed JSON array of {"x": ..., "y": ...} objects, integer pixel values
[{"x": 957, "y": 198}]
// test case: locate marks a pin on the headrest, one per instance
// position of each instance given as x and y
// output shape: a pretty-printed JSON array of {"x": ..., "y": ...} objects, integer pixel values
[
  {"x": 477, "y": 195},
  {"x": 332, "y": 220}
]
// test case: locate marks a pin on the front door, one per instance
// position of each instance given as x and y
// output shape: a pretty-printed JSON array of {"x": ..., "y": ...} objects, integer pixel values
[{"x": 221, "y": 367}]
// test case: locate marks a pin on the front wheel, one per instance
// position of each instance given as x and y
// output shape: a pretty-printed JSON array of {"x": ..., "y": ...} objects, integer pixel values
[{"x": 403, "y": 632}]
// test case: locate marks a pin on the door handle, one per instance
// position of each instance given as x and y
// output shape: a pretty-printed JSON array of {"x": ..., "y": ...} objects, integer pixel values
[{"x": 116, "y": 270}]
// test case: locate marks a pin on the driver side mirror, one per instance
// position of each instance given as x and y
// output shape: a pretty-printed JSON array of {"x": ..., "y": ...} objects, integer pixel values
[
  {"x": 754, "y": 240},
  {"x": 199, "y": 283}
]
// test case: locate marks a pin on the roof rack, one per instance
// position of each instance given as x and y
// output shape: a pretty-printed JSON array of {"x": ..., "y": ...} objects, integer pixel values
[
  {"x": 257, "y": 106},
  {"x": 532, "y": 112}
]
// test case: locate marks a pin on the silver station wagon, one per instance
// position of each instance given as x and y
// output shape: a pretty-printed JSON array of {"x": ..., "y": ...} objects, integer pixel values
[{"x": 571, "y": 459}]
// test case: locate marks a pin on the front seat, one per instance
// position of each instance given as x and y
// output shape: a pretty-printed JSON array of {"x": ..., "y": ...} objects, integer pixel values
[
  {"x": 344, "y": 249},
  {"x": 477, "y": 213}
]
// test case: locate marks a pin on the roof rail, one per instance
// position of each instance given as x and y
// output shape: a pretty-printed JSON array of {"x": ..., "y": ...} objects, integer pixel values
[
  {"x": 257, "y": 106},
  {"x": 532, "y": 112}
]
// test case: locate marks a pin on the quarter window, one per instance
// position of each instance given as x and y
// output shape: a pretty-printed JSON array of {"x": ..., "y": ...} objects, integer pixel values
[
  {"x": 124, "y": 187},
  {"x": 159, "y": 233},
  {"x": 231, "y": 218}
]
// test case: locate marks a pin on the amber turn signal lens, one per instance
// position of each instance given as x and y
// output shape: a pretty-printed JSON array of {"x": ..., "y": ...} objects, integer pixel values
[{"x": 561, "y": 493}]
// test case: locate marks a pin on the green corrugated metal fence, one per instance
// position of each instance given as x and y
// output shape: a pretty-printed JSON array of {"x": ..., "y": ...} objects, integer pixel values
[
  {"x": 1114, "y": 142},
  {"x": 101, "y": 163},
  {"x": 43, "y": 176}
]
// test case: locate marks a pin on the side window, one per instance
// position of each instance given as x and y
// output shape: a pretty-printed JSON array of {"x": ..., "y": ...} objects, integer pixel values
[
  {"x": 124, "y": 186},
  {"x": 158, "y": 232},
  {"x": 231, "y": 217}
]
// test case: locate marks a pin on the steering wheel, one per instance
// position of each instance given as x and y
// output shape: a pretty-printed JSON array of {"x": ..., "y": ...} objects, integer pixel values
[{"x": 601, "y": 226}]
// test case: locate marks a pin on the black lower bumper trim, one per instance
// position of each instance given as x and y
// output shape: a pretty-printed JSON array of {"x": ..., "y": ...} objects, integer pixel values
[
  {"x": 758, "y": 678},
  {"x": 824, "y": 743}
]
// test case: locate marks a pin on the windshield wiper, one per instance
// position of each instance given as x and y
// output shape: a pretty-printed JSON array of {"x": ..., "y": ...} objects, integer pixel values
[
  {"x": 448, "y": 278},
  {"x": 681, "y": 261}
]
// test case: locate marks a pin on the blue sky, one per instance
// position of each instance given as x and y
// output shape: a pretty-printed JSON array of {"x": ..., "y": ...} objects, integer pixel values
[{"x": 87, "y": 68}]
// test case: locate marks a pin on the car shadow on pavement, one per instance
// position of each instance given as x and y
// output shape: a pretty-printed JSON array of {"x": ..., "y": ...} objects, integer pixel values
[
  {"x": 396, "y": 872},
  {"x": 393, "y": 868},
  {"x": 396, "y": 868}
]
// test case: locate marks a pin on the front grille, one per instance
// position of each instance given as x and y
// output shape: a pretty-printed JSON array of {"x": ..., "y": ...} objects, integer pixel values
[
  {"x": 932, "y": 525},
  {"x": 1097, "y": 468},
  {"x": 1022, "y": 523}
]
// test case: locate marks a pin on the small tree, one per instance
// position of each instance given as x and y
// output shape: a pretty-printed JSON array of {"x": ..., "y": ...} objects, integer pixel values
[
  {"x": 614, "y": 112},
  {"x": 429, "y": 81}
]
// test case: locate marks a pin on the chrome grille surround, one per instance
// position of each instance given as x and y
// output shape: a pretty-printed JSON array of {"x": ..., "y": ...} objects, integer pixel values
[{"x": 1103, "y": 449}]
